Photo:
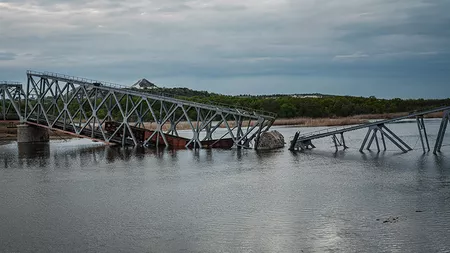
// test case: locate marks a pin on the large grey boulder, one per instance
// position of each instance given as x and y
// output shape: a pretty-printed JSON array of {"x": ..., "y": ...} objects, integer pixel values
[{"x": 270, "y": 140}]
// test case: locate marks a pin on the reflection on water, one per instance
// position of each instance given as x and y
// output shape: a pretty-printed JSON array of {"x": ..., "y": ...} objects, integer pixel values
[
  {"x": 84, "y": 197},
  {"x": 34, "y": 151}
]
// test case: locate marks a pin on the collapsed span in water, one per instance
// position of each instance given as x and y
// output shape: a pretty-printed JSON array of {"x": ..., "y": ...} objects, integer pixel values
[{"x": 117, "y": 114}]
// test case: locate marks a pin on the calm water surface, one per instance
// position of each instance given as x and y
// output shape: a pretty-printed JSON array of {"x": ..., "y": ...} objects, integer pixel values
[{"x": 79, "y": 196}]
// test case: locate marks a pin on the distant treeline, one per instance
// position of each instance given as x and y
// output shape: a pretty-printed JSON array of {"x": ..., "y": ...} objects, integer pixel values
[{"x": 288, "y": 106}]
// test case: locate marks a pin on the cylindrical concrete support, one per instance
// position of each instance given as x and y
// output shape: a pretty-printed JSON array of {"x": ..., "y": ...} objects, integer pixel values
[{"x": 31, "y": 134}]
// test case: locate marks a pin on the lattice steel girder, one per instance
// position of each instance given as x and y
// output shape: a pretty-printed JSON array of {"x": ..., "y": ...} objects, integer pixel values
[
  {"x": 85, "y": 106},
  {"x": 11, "y": 100}
]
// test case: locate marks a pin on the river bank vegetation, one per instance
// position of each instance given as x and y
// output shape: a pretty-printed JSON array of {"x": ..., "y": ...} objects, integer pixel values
[
  {"x": 313, "y": 105},
  {"x": 328, "y": 107}
]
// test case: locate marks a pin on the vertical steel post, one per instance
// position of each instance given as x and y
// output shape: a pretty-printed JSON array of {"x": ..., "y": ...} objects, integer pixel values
[
  {"x": 239, "y": 131},
  {"x": 365, "y": 140},
  {"x": 125, "y": 121},
  {"x": 343, "y": 141},
  {"x": 64, "y": 97},
  {"x": 441, "y": 132},
  {"x": 258, "y": 134},
  {"x": 4, "y": 103},
  {"x": 374, "y": 134},
  {"x": 335, "y": 142},
  {"x": 27, "y": 95},
  {"x": 376, "y": 139},
  {"x": 425, "y": 133},
  {"x": 383, "y": 140},
  {"x": 419, "y": 126}
]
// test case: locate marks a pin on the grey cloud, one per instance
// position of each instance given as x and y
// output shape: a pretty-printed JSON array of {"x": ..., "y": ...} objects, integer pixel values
[
  {"x": 174, "y": 8},
  {"x": 7, "y": 56},
  {"x": 223, "y": 39},
  {"x": 419, "y": 29}
]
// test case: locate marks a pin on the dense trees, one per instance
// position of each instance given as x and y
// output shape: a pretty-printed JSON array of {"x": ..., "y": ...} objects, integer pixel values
[
  {"x": 287, "y": 106},
  {"x": 333, "y": 106}
]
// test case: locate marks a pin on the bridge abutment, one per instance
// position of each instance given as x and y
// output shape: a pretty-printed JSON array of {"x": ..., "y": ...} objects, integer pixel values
[{"x": 31, "y": 134}]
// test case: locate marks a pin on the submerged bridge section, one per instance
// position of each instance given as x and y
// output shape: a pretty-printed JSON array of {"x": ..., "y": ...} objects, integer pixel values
[
  {"x": 375, "y": 131},
  {"x": 116, "y": 114}
]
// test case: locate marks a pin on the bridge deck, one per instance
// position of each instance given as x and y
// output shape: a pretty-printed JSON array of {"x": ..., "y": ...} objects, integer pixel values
[{"x": 340, "y": 130}]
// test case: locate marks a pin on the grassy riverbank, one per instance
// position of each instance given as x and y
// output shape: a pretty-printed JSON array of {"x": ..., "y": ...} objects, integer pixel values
[{"x": 343, "y": 121}]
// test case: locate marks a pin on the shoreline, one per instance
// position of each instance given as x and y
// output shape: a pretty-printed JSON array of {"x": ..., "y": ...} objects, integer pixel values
[
  {"x": 344, "y": 121},
  {"x": 7, "y": 132}
]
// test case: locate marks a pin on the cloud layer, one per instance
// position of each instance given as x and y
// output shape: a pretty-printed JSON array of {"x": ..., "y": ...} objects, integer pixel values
[{"x": 358, "y": 47}]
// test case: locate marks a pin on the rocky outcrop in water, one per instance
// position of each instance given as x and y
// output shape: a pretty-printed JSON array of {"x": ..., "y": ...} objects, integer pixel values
[{"x": 270, "y": 140}]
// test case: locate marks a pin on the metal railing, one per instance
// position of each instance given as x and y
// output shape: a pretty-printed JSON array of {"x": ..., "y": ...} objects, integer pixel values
[
  {"x": 77, "y": 79},
  {"x": 326, "y": 130},
  {"x": 10, "y": 83}
]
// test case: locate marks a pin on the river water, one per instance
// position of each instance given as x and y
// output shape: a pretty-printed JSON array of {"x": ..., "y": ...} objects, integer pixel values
[{"x": 80, "y": 196}]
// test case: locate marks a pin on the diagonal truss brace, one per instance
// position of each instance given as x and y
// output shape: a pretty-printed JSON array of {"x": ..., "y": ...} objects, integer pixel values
[{"x": 372, "y": 133}]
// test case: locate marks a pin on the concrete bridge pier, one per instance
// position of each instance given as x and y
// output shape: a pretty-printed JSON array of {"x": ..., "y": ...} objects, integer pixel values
[{"x": 31, "y": 134}]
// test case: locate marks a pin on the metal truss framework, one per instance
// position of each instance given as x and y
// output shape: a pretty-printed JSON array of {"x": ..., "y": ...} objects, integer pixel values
[
  {"x": 384, "y": 132},
  {"x": 84, "y": 107},
  {"x": 441, "y": 132},
  {"x": 12, "y": 100},
  {"x": 376, "y": 130}
]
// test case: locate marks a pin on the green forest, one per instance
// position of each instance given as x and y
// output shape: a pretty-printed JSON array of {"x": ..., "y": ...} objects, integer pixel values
[{"x": 289, "y": 106}]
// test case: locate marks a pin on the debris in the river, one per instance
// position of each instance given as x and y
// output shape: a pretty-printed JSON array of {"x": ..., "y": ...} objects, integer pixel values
[
  {"x": 271, "y": 140},
  {"x": 419, "y": 211},
  {"x": 391, "y": 220}
]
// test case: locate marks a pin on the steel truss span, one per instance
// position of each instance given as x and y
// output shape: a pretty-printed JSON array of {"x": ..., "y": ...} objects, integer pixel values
[
  {"x": 12, "y": 100},
  {"x": 117, "y": 114}
]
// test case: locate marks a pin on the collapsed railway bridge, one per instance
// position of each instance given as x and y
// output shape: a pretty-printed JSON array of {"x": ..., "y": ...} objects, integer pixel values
[
  {"x": 116, "y": 114},
  {"x": 376, "y": 131}
]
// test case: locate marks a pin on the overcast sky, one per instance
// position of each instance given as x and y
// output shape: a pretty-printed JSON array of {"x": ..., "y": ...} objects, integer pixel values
[{"x": 383, "y": 48}]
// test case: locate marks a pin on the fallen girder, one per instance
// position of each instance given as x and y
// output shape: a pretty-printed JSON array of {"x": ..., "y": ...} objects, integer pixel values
[
  {"x": 375, "y": 131},
  {"x": 84, "y": 106}
]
